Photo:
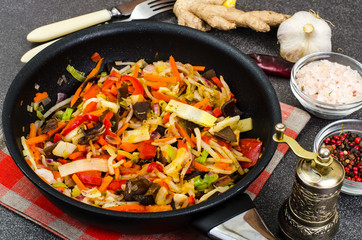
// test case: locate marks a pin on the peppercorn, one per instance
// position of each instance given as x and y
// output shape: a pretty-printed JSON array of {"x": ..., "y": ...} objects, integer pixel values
[{"x": 347, "y": 148}]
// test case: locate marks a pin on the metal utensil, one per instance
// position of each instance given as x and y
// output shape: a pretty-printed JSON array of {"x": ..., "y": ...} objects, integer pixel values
[
  {"x": 149, "y": 8},
  {"x": 143, "y": 10},
  {"x": 59, "y": 29}
]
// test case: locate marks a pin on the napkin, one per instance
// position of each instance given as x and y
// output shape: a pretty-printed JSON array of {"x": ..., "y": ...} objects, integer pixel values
[{"x": 18, "y": 194}]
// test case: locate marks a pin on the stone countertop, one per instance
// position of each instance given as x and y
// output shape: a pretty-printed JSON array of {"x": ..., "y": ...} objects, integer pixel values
[{"x": 18, "y": 18}]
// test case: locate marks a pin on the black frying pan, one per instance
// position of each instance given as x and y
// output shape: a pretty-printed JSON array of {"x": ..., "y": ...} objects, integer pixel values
[{"x": 151, "y": 41}]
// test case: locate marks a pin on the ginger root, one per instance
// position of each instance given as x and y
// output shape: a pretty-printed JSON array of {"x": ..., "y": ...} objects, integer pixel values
[{"x": 206, "y": 14}]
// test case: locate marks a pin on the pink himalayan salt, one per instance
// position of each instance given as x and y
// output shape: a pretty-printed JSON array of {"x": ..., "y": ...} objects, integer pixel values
[{"x": 330, "y": 82}]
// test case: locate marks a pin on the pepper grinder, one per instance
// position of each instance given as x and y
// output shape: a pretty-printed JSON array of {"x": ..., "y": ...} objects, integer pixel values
[{"x": 310, "y": 211}]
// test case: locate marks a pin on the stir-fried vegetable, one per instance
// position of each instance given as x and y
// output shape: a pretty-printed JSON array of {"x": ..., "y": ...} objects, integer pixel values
[{"x": 142, "y": 137}]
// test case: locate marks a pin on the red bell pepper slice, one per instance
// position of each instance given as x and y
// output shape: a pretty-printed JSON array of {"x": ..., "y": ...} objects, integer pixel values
[
  {"x": 138, "y": 88},
  {"x": 146, "y": 149},
  {"x": 154, "y": 165},
  {"x": 107, "y": 120},
  {"x": 75, "y": 122},
  {"x": 116, "y": 184},
  {"x": 251, "y": 149},
  {"x": 57, "y": 137},
  {"x": 62, "y": 161},
  {"x": 88, "y": 178}
]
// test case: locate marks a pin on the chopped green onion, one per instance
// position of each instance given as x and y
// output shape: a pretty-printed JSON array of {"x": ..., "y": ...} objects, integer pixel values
[
  {"x": 40, "y": 108},
  {"x": 171, "y": 152},
  {"x": 80, "y": 76},
  {"x": 40, "y": 115},
  {"x": 76, "y": 191},
  {"x": 29, "y": 108},
  {"x": 202, "y": 184},
  {"x": 59, "y": 184},
  {"x": 25, "y": 153},
  {"x": 202, "y": 158},
  {"x": 67, "y": 114},
  {"x": 103, "y": 74}
]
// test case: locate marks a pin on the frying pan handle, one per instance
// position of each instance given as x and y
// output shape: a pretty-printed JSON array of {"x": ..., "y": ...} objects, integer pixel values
[{"x": 237, "y": 218}]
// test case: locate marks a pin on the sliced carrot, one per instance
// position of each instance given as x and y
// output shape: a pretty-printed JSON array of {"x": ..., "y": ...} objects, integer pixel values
[
  {"x": 156, "y": 85},
  {"x": 200, "y": 167},
  {"x": 184, "y": 134},
  {"x": 40, "y": 96},
  {"x": 56, "y": 175},
  {"x": 155, "y": 78},
  {"x": 80, "y": 89},
  {"x": 136, "y": 70},
  {"x": 61, "y": 125},
  {"x": 95, "y": 70},
  {"x": 116, "y": 173},
  {"x": 129, "y": 208},
  {"x": 128, "y": 147},
  {"x": 193, "y": 138},
  {"x": 105, "y": 182},
  {"x": 223, "y": 165},
  {"x": 217, "y": 81},
  {"x": 174, "y": 68},
  {"x": 127, "y": 164},
  {"x": 122, "y": 129},
  {"x": 161, "y": 96},
  {"x": 198, "y": 68},
  {"x": 158, "y": 208},
  {"x": 78, "y": 182},
  {"x": 82, "y": 148},
  {"x": 102, "y": 141},
  {"x": 166, "y": 139},
  {"x": 38, "y": 139},
  {"x": 32, "y": 132},
  {"x": 36, "y": 153},
  {"x": 120, "y": 156},
  {"x": 76, "y": 95},
  {"x": 166, "y": 118},
  {"x": 76, "y": 155},
  {"x": 202, "y": 103},
  {"x": 181, "y": 144},
  {"x": 98, "y": 112},
  {"x": 87, "y": 87}
]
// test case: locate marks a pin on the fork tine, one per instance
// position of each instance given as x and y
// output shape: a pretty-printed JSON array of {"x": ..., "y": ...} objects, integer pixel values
[
  {"x": 159, "y": 6},
  {"x": 163, "y": 9},
  {"x": 149, "y": 9},
  {"x": 156, "y": 2}
]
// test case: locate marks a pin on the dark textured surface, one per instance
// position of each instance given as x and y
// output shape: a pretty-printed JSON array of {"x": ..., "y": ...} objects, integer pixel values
[{"x": 20, "y": 17}]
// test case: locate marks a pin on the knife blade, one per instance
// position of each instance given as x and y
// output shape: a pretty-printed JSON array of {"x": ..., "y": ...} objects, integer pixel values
[{"x": 61, "y": 28}]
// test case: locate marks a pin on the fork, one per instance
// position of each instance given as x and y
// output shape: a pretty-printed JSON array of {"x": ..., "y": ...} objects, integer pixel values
[
  {"x": 149, "y": 9},
  {"x": 143, "y": 10}
]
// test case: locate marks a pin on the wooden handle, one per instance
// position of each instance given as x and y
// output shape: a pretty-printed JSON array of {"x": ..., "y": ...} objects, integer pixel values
[{"x": 58, "y": 29}]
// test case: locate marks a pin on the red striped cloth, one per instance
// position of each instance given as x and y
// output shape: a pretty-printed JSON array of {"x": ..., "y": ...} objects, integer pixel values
[{"x": 18, "y": 194}]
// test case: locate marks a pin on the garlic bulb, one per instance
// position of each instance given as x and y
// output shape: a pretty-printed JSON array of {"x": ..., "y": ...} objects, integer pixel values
[{"x": 303, "y": 34}]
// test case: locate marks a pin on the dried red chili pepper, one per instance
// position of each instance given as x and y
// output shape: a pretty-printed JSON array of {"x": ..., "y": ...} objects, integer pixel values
[{"x": 272, "y": 65}]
